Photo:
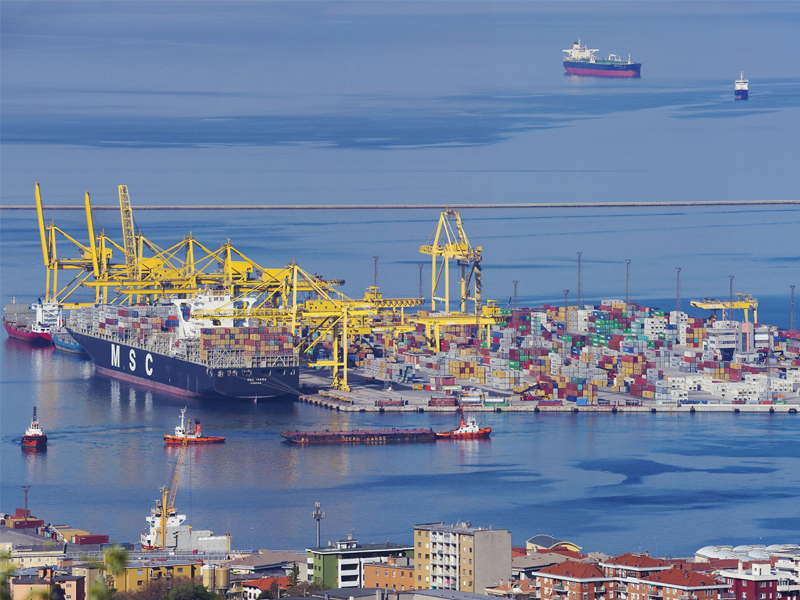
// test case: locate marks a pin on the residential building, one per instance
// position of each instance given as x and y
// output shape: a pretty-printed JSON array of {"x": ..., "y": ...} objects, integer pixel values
[
  {"x": 759, "y": 582},
  {"x": 461, "y": 557},
  {"x": 251, "y": 589},
  {"x": 37, "y": 555},
  {"x": 45, "y": 582},
  {"x": 524, "y": 589},
  {"x": 676, "y": 584},
  {"x": 396, "y": 574},
  {"x": 137, "y": 575},
  {"x": 631, "y": 566},
  {"x": 341, "y": 565},
  {"x": 572, "y": 580}
]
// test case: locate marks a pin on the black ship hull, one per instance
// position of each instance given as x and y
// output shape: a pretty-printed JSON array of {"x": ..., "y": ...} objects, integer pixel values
[
  {"x": 181, "y": 377},
  {"x": 361, "y": 436}
]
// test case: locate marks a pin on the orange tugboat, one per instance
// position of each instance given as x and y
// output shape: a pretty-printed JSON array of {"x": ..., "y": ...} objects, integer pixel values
[
  {"x": 191, "y": 436},
  {"x": 468, "y": 430},
  {"x": 34, "y": 436}
]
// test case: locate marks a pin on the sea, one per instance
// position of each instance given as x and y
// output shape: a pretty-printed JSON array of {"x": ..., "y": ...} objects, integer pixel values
[{"x": 426, "y": 104}]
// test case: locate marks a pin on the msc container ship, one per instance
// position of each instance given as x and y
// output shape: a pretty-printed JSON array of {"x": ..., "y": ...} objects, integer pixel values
[
  {"x": 163, "y": 348},
  {"x": 581, "y": 60}
]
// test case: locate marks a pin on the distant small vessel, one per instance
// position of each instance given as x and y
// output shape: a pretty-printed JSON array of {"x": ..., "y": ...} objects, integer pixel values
[
  {"x": 191, "y": 436},
  {"x": 741, "y": 88},
  {"x": 62, "y": 340},
  {"x": 34, "y": 436},
  {"x": 580, "y": 60},
  {"x": 466, "y": 430}
]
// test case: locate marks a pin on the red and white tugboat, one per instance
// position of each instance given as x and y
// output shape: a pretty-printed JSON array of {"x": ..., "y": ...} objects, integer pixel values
[
  {"x": 34, "y": 436},
  {"x": 191, "y": 436},
  {"x": 467, "y": 430}
]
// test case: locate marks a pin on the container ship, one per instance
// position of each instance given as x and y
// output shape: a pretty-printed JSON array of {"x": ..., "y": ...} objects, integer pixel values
[
  {"x": 31, "y": 322},
  {"x": 361, "y": 436},
  {"x": 160, "y": 346},
  {"x": 741, "y": 87},
  {"x": 581, "y": 60}
]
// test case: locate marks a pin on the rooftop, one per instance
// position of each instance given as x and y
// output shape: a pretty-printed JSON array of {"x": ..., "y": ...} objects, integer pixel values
[
  {"x": 462, "y": 528},
  {"x": 642, "y": 562},
  {"x": 677, "y": 577},
  {"x": 573, "y": 569}
]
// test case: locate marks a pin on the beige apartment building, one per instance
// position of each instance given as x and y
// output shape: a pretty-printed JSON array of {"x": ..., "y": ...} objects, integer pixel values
[{"x": 461, "y": 557}]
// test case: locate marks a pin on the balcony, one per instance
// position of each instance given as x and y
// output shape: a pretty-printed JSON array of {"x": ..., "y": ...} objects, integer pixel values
[
  {"x": 559, "y": 587},
  {"x": 655, "y": 593},
  {"x": 687, "y": 597},
  {"x": 600, "y": 590}
]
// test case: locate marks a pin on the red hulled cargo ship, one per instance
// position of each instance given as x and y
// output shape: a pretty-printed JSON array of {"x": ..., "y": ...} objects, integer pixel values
[
  {"x": 34, "y": 436},
  {"x": 581, "y": 60},
  {"x": 31, "y": 323},
  {"x": 190, "y": 436}
]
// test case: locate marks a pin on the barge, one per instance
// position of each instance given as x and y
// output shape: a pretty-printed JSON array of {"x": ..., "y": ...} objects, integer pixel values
[{"x": 360, "y": 436}]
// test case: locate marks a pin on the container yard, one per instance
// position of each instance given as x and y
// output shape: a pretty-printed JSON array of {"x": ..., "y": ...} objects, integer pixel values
[{"x": 219, "y": 324}]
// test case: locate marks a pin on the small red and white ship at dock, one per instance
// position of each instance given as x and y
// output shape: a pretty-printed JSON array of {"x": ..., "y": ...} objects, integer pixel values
[
  {"x": 467, "y": 430},
  {"x": 191, "y": 436},
  {"x": 34, "y": 436}
]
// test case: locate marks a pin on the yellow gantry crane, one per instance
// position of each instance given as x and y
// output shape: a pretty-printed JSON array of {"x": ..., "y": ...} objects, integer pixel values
[
  {"x": 743, "y": 302},
  {"x": 168, "y": 495},
  {"x": 449, "y": 242}
]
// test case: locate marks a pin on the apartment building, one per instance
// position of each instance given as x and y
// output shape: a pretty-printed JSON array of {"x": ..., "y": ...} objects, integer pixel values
[
  {"x": 341, "y": 565},
  {"x": 572, "y": 580},
  {"x": 461, "y": 557},
  {"x": 677, "y": 584},
  {"x": 396, "y": 574}
]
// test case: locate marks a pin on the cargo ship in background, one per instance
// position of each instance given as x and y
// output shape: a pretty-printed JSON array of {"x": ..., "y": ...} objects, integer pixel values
[
  {"x": 191, "y": 436},
  {"x": 741, "y": 88},
  {"x": 34, "y": 436},
  {"x": 467, "y": 430},
  {"x": 160, "y": 347},
  {"x": 580, "y": 60},
  {"x": 31, "y": 322},
  {"x": 361, "y": 436}
]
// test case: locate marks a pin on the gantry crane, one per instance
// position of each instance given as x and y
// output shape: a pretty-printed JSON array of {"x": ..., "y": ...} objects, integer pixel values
[
  {"x": 168, "y": 495},
  {"x": 449, "y": 242},
  {"x": 743, "y": 301}
]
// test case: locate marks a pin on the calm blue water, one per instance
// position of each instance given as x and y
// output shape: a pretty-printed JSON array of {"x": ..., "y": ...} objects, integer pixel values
[{"x": 422, "y": 103}]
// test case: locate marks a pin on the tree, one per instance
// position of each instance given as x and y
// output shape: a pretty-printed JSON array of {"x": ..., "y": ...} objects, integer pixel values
[
  {"x": 115, "y": 559},
  {"x": 191, "y": 592},
  {"x": 294, "y": 576},
  {"x": 265, "y": 595}
]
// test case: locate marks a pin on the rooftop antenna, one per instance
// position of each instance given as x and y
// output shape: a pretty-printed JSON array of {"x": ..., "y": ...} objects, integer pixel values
[
  {"x": 25, "y": 489},
  {"x": 580, "y": 287},
  {"x": 515, "y": 294},
  {"x": 376, "y": 270},
  {"x": 792, "y": 323},
  {"x": 678, "y": 299},
  {"x": 317, "y": 515},
  {"x": 627, "y": 281}
]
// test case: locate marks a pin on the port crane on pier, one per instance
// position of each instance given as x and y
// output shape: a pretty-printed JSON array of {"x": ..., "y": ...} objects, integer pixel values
[{"x": 743, "y": 302}]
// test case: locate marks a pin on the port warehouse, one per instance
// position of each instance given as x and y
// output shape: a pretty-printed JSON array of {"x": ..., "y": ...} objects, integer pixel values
[{"x": 548, "y": 354}]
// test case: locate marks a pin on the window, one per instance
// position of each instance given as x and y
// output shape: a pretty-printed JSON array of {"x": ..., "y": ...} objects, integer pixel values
[
  {"x": 139, "y": 583},
  {"x": 139, "y": 572},
  {"x": 394, "y": 573},
  {"x": 419, "y": 577},
  {"x": 377, "y": 572},
  {"x": 427, "y": 556},
  {"x": 470, "y": 561},
  {"x": 585, "y": 596},
  {"x": 419, "y": 544},
  {"x": 586, "y": 586},
  {"x": 419, "y": 554}
]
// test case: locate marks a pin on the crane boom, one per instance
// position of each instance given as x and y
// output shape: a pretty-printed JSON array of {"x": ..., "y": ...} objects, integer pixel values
[
  {"x": 128, "y": 232},
  {"x": 176, "y": 474}
]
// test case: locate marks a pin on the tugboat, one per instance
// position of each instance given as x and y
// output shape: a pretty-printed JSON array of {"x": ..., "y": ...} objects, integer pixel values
[
  {"x": 34, "y": 436},
  {"x": 190, "y": 436},
  {"x": 467, "y": 430},
  {"x": 62, "y": 340},
  {"x": 741, "y": 87}
]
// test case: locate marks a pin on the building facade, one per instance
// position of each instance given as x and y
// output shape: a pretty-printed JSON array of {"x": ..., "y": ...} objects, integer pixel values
[
  {"x": 138, "y": 575},
  {"x": 341, "y": 565},
  {"x": 396, "y": 574},
  {"x": 45, "y": 583},
  {"x": 461, "y": 557},
  {"x": 572, "y": 580}
]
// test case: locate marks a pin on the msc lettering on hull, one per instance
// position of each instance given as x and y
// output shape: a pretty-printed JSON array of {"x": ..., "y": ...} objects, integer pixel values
[{"x": 148, "y": 360}]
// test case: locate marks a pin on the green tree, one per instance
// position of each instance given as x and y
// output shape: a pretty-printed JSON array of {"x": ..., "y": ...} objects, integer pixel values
[
  {"x": 294, "y": 576},
  {"x": 191, "y": 592},
  {"x": 114, "y": 561}
]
